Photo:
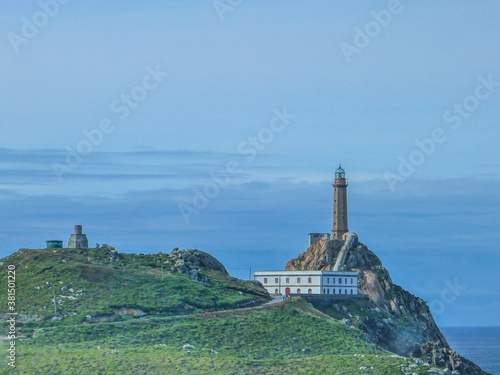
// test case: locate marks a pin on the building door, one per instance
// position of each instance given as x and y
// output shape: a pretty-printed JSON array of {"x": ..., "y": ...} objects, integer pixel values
[{"x": 287, "y": 291}]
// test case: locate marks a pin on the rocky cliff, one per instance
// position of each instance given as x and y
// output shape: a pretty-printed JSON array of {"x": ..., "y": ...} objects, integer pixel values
[{"x": 392, "y": 318}]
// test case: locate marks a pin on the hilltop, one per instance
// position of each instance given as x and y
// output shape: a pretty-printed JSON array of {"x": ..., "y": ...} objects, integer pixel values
[
  {"x": 102, "y": 284},
  {"x": 182, "y": 313}
]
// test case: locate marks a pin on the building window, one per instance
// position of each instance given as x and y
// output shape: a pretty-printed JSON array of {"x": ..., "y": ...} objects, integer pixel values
[
  {"x": 298, "y": 280},
  {"x": 352, "y": 291},
  {"x": 310, "y": 280},
  {"x": 310, "y": 291},
  {"x": 345, "y": 292},
  {"x": 324, "y": 291},
  {"x": 346, "y": 280},
  {"x": 333, "y": 280},
  {"x": 276, "y": 291},
  {"x": 298, "y": 291},
  {"x": 328, "y": 291},
  {"x": 276, "y": 280},
  {"x": 265, "y": 280},
  {"x": 352, "y": 281},
  {"x": 333, "y": 290},
  {"x": 288, "y": 280},
  {"x": 328, "y": 280},
  {"x": 340, "y": 280}
]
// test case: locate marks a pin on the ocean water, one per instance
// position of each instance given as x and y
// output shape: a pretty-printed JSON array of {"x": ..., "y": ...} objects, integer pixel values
[{"x": 480, "y": 345}]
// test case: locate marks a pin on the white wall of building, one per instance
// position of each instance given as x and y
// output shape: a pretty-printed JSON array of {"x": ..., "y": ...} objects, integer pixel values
[
  {"x": 340, "y": 284},
  {"x": 308, "y": 282}
]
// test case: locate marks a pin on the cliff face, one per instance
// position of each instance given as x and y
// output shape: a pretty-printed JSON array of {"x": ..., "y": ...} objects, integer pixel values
[
  {"x": 408, "y": 314},
  {"x": 392, "y": 317}
]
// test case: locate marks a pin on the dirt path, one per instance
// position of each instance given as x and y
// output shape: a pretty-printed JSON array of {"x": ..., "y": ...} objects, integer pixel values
[{"x": 275, "y": 300}]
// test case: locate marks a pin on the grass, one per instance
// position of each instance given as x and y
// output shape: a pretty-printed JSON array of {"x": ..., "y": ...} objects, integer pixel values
[
  {"x": 86, "y": 283},
  {"x": 279, "y": 332},
  {"x": 164, "y": 312},
  {"x": 289, "y": 338},
  {"x": 167, "y": 360},
  {"x": 387, "y": 330}
]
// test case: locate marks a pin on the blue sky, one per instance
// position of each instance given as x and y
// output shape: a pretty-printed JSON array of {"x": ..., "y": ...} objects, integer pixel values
[{"x": 267, "y": 90}]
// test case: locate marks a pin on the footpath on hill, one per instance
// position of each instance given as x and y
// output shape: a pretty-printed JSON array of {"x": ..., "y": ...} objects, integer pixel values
[{"x": 275, "y": 300}]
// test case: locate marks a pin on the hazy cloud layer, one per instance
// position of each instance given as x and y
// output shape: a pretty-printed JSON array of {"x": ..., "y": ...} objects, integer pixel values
[
  {"x": 440, "y": 233},
  {"x": 412, "y": 115}
]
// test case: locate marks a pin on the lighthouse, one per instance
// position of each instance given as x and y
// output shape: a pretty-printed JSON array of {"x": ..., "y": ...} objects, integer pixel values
[{"x": 339, "y": 204}]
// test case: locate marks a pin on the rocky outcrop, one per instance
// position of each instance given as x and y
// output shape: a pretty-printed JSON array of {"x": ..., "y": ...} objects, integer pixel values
[
  {"x": 392, "y": 318},
  {"x": 128, "y": 311},
  {"x": 192, "y": 262},
  {"x": 375, "y": 281},
  {"x": 113, "y": 253},
  {"x": 436, "y": 355},
  {"x": 323, "y": 255},
  {"x": 350, "y": 242}
]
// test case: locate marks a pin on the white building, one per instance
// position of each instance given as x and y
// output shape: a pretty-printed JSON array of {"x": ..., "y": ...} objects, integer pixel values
[{"x": 308, "y": 282}]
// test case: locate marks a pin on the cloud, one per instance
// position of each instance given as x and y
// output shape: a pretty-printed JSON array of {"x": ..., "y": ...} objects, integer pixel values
[
  {"x": 224, "y": 85},
  {"x": 445, "y": 228}
]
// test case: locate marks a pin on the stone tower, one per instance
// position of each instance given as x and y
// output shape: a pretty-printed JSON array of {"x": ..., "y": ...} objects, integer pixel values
[
  {"x": 78, "y": 239},
  {"x": 339, "y": 204}
]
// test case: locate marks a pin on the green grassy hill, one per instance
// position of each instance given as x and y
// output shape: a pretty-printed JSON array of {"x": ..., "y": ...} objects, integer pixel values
[
  {"x": 288, "y": 338},
  {"x": 135, "y": 314},
  {"x": 86, "y": 283}
]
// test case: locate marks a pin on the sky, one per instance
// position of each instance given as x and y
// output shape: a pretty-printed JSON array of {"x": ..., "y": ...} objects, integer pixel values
[{"x": 219, "y": 125}]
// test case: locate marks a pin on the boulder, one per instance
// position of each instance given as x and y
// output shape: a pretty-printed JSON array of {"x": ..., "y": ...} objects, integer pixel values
[{"x": 186, "y": 261}]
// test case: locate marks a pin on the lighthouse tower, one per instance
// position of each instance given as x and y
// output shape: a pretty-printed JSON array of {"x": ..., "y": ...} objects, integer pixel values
[{"x": 339, "y": 204}]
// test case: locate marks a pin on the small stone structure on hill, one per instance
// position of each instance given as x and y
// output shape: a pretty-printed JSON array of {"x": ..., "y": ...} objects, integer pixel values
[
  {"x": 315, "y": 237},
  {"x": 78, "y": 239}
]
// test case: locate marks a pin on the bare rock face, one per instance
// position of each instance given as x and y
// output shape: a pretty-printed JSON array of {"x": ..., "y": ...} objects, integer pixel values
[
  {"x": 323, "y": 254},
  {"x": 192, "y": 261},
  {"x": 405, "y": 309},
  {"x": 447, "y": 358},
  {"x": 113, "y": 253},
  {"x": 372, "y": 286}
]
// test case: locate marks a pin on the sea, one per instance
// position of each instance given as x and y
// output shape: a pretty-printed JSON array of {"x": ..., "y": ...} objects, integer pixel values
[{"x": 480, "y": 345}]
